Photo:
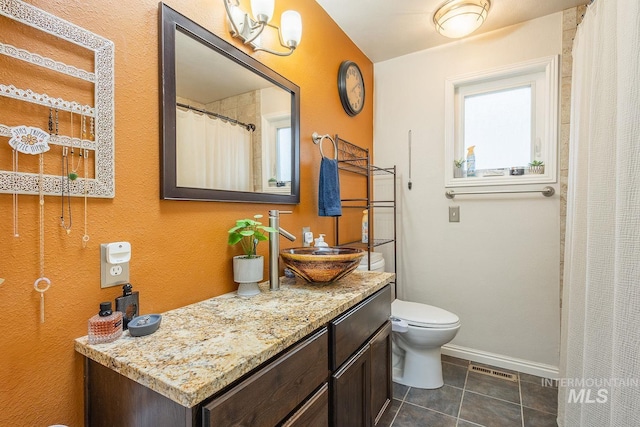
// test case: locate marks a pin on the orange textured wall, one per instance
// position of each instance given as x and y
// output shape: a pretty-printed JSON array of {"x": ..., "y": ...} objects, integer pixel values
[{"x": 180, "y": 254}]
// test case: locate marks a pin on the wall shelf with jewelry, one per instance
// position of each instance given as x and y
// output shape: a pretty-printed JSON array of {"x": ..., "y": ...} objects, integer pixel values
[
  {"x": 60, "y": 145},
  {"x": 74, "y": 132}
]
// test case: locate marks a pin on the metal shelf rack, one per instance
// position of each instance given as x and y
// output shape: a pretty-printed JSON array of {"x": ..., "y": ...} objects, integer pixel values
[{"x": 357, "y": 160}]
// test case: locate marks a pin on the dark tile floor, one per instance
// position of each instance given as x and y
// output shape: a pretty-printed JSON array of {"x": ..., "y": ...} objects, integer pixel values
[{"x": 470, "y": 399}]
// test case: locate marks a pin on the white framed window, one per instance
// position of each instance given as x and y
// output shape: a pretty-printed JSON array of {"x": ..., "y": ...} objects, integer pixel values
[
  {"x": 283, "y": 152},
  {"x": 509, "y": 115}
]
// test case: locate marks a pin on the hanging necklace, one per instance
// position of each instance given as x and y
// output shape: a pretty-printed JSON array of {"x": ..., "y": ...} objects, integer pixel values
[
  {"x": 16, "y": 186},
  {"x": 85, "y": 155},
  {"x": 64, "y": 180},
  {"x": 85, "y": 237},
  {"x": 42, "y": 278},
  {"x": 73, "y": 175}
]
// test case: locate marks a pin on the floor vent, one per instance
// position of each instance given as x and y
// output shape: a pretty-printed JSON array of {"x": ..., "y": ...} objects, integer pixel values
[{"x": 493, "y": 373}]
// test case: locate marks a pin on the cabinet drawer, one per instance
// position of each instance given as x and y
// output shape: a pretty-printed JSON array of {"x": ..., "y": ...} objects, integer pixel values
[
  {"x": 268, "y": 395},
  {"x": 352, "y": 329},
  {"x": 314, "y": 413}
]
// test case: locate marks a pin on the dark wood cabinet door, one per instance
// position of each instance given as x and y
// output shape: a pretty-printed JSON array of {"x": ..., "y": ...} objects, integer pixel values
[
  {"x": 351, "y": 391},
  {"x": 381, "y": 388},
  {"x": 314, "y": 413}
]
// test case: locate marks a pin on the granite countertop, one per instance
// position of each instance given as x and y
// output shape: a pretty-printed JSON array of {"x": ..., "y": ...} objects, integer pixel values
[{"x": 203, "y": 347}]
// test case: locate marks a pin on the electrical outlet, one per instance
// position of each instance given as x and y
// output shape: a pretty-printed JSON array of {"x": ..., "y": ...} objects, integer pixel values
[
  {"x": 112, "y": 274},
  {"x": 307, "y": 237},
  {"x": 454, "y": 213}
]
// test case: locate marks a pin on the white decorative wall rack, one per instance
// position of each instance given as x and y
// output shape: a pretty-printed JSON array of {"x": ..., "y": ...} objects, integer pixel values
[{"x": 102, "y": 77}]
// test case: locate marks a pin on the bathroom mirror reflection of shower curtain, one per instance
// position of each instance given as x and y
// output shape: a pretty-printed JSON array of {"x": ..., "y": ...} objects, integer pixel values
[
  {"x": 230, "y": 125},
  {"x": 211, "y": 153}
]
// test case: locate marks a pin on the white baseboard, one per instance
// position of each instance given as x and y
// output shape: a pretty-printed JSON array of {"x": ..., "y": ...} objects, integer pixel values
[{"x": 501, "y": 361}]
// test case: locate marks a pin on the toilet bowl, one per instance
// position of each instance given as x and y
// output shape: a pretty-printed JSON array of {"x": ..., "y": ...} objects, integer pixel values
[{"x": 418, "y": 333}]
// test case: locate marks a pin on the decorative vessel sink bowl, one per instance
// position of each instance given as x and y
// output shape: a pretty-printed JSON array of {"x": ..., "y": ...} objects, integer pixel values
[{"x": 321, "y": 265}]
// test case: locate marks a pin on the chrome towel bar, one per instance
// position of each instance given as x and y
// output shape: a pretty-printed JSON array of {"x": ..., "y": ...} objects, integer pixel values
[{"x": 546, "y": 192}]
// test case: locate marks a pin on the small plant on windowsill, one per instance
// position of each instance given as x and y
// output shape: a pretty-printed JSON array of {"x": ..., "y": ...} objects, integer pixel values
[
  {"x": 536, "y": 167},
  {"x": 458, "y": 172}
]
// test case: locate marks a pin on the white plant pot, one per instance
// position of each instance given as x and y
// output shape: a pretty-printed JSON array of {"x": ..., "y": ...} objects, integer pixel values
[
  {"x": 537, "y": 170},
  {"x": 247, "y": 272}
]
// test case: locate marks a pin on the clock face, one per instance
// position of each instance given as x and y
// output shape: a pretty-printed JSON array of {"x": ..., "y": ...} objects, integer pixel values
[{"x": 351, "y": 87}]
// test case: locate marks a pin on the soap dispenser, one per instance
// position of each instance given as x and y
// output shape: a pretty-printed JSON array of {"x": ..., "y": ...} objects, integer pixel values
[
  {"x": 320, "y": 243},
  {"x": 128, "y": 304}
]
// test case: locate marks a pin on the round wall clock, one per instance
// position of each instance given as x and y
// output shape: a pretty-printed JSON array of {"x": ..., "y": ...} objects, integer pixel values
[{"x": 351, "y": 87}]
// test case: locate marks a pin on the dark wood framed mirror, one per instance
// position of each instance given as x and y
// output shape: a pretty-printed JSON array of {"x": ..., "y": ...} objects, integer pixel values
[{"x": 230, "y": 126}]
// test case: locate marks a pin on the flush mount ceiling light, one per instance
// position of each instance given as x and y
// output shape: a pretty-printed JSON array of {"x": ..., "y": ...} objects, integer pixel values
[
  {"x": 458, "y": 18},
  {"x": 248, "y": 29}
]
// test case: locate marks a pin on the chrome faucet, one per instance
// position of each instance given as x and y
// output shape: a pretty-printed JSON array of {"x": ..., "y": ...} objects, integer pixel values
[{"x": 274, "y": 247}]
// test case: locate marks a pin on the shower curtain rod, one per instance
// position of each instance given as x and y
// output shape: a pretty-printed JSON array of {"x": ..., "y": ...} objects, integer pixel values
[
  {"x": 546, "y": 192},
  {"x": 250, "y": 127}
]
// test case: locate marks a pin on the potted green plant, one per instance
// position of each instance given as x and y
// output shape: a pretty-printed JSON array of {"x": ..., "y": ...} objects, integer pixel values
[
  {"x": 248, "y": 268},
  {"x": 536, "y": 167},
  {"x": 458, "y": 172}
]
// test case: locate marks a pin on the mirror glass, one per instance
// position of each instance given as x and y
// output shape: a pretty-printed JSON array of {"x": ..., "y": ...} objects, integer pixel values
[{"x": 230, "y": 124}]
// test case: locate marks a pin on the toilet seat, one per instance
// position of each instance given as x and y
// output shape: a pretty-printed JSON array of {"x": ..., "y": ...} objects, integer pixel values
[{"x": 423, "y": 315}]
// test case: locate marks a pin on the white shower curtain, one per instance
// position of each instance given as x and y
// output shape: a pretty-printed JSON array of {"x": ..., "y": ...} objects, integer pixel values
[
  {"x": 600, "y": 355},
  {"x": 211, "y": 153}
]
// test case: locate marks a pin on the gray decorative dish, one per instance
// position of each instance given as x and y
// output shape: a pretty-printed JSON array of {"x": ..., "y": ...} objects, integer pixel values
[{"x": 144, "y": 325}]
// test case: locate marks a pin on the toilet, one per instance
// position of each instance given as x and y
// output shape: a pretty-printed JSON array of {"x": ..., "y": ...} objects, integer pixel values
[
  {"x": 377, "y": 262},
  {"x": 418, "y": 333}
]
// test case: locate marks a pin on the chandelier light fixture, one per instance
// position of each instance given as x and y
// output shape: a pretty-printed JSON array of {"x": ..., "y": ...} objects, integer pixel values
[
  {"x": 249, "y": 28},
  {"x": 459, "y": 18}
]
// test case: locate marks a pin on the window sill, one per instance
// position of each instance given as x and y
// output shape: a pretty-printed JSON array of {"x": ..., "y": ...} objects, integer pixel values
[{"x": 488, "y": 181}]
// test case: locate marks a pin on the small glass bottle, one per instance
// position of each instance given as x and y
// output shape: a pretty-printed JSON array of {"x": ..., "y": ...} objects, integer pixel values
[
  {"x": 128, "y": 304},
  {"x": 365, "y": 226},
  {"x": 106, "y": 326}
]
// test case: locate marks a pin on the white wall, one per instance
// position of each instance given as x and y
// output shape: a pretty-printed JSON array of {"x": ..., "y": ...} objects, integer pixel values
[{"x": 498, "y": 269}]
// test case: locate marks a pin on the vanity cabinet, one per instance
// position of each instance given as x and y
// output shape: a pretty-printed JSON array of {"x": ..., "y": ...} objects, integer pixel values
[
  {"x": 339, "y": 375},
  {"x": 361, "y": 363},
  {"x": 296, "y": 378}
]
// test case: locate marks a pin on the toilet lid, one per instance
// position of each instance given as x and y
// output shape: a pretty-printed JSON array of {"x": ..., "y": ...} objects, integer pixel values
[
  {"x": 375, "y": 257},
  {"x": 424, "y": 315}
]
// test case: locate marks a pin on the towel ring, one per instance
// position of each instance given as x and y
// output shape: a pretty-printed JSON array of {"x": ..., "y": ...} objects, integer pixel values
[{"x": 317, "y": 139}]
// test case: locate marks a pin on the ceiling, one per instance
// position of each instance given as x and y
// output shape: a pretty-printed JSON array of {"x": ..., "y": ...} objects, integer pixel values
[{"x": 385, "y": 29}]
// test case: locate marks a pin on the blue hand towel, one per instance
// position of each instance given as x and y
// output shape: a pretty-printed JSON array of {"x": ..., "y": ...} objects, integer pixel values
[{"x": 329, "y": 189}]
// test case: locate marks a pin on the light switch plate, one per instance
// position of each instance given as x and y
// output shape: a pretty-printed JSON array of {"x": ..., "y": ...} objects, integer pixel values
[
  {"x": 112, "y": 274},
  {"x": 454, "y": 213}
]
